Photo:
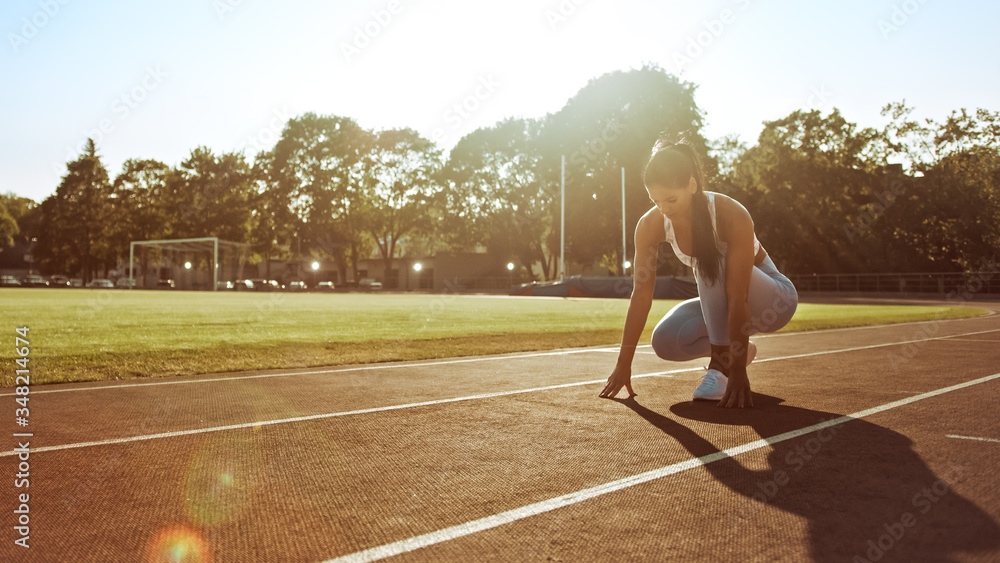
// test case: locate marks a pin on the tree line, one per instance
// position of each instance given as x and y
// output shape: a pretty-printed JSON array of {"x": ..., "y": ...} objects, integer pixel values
[{"x": 826, "y": 195}]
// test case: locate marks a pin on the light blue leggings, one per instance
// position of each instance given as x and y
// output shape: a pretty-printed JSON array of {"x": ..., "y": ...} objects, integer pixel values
[{"x": 688, "y": 330}]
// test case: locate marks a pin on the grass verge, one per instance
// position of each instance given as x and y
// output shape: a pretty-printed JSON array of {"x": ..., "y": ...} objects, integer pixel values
[{"x": 85, "y": 335}]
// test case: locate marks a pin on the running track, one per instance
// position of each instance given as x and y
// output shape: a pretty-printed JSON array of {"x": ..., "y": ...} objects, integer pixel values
[{"x": 874, "y": 443}]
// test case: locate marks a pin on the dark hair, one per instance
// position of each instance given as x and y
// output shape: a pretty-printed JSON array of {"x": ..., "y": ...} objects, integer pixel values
[{"x": 672, "y": 165}]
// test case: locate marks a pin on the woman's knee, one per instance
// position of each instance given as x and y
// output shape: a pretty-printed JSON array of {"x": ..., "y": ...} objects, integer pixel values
[
  {"x": 665, "y": 341},
  {"x": 678, "y": 335},
  {"x": 776, "y": 313}
]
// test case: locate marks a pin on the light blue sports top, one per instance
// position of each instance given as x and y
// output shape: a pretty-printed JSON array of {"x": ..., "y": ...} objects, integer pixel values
[{"x": 668, "y": 227}]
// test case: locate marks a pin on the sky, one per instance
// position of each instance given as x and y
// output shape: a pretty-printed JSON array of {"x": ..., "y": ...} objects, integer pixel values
[{"x": 158, "y": 79}]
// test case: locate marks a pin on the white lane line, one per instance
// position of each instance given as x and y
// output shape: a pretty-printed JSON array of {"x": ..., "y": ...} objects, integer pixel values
[
  {"x": 613, "y": 348},
  {"x": 315, "y": 372},
  {"x": 437, "y": 401},
  {"x": 333, "y": 414},
  {"x": 989, "y": 313},
  {"x": 872, "y": 346},
  {"x": 973, "y": 438},
  {"x": 489, "y": 522},
  {"x": 466, "y": 360}
]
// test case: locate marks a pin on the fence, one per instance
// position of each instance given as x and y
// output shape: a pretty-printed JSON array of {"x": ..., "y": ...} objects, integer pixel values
[{"x": 933, "y": 283}]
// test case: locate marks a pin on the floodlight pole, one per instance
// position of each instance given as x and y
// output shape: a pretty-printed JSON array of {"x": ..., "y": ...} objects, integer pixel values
[
  {"x": 562, "y": 222},
  {"x": 624, "y": 247},
  {"x": 131, "y": 257},
  {"x": 215, "y": 264}
]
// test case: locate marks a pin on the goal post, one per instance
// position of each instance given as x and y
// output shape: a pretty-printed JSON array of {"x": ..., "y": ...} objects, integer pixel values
[{"x": 211, "y": 245}]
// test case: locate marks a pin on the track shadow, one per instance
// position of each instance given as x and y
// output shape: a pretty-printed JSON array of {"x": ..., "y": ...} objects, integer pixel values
[{"x": 867, "y": 496}]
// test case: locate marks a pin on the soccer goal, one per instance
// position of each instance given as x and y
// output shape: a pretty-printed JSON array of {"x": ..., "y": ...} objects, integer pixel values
[{"x": 207, "y": 263}]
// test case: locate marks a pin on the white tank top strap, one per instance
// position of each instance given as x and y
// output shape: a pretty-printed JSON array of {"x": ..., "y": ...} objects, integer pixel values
[
  {"x": 688, "y": 261},
  {"x": 668, "y": 228}
]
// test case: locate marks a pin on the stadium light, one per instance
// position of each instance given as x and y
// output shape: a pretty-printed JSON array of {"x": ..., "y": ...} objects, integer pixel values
[
  {"x": 627, "y": 264},
  {"x": 315, "y": 266},
  {"x": 510, "y": 266},
  {"x": 417, "y": 267},
  {"x": 187, "y": 265}
]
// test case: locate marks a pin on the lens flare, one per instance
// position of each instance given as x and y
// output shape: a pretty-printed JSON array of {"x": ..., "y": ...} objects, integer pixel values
[
  {"x": 222, "y": 479},
  {"x": 216, "y": 494},
  {"x": 178, "y": 544}
]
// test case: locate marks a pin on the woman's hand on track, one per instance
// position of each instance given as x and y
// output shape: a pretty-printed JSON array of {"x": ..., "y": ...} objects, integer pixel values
[
  {"x": 620, "y": 377},
  {"x": 738, "y": 392}
]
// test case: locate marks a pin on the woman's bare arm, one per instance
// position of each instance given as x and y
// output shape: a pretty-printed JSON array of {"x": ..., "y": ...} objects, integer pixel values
[
  {"x": 649, "y": 233},
  {"x": 736, "y": 230}
]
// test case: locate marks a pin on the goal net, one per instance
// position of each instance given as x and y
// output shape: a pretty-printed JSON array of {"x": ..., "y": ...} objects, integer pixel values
[{"x": 206, "y": 264}]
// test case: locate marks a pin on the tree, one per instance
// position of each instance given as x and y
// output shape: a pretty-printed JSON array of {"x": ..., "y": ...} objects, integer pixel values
[
  {"x": 73, "y": 235},
  {"x": 612, "y": 123},
  {"x": 8, "y": 226},
  {"x": 272, "y": 219},
  {"x": 23, "y": 211},
  {"x": 903, "y": 140},
  {"x": 803, "y": 182},
  {"x": 316, "y": 169},
  {"x": 949, "y": 217},
  {"x": 827, "y": 196},
  {"x": 398, "y": 188},
  {"x": 955, "y": 219},
  {"x": 208, "y": 195},
  {"x": 138, "y": 198},
  {"x": 965, "y": 133},
  {"x": 494, "y": 195}
]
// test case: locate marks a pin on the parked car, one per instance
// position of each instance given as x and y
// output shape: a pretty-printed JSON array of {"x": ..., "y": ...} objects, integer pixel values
[
  {"x": 243, "y": 285},
  {"x": 9, "y": 281},
  {"x": 125, "y": 283},
  {"x": 34, "y": 280},
  {"x": 225, "y": 286},
  {"x": 100, "y": 283},
  {"x": 58, "y": 281},
  {"x": 296, "y": 285},
  {"x": 369, "y": 284},
  {"x": 266, "y": 285},
  {"x": 325, "y": 286},
  {"x": 165, "y": 284}
]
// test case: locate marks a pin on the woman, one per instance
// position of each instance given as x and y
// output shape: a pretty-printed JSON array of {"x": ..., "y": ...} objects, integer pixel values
[{"x": 740, "y": 292}]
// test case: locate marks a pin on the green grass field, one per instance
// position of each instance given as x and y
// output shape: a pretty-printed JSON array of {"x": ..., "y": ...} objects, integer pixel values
[{"x": 84, "y": 335}]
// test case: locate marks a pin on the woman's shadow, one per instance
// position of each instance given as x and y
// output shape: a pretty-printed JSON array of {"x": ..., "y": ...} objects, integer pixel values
[{"x": 867, "y": 496}]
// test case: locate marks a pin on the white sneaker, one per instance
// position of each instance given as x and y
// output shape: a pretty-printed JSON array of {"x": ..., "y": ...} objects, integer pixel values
[
  {"x": 751, "y": 351},
  {"x": 712, "y": 386}
]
